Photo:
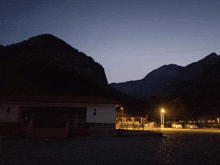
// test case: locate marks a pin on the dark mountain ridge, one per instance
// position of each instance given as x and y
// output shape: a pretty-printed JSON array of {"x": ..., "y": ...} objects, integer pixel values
[
  {"x": 51, "y": 49},
  {"x": 46, "y": 65},
  {"x": 197, "y": 78}
]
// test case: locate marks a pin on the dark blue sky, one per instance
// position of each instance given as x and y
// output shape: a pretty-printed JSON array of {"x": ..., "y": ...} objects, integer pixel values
[{"x": 129, "y": 38}]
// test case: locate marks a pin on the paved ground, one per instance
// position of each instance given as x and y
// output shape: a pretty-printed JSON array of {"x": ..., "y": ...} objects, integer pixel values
[
  {"x": 181, "y": 147},
  {"x": 192, "y": 130}
]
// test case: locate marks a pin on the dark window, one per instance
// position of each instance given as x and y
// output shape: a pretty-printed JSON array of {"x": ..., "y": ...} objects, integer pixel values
[
  {"x": 94, "y": 113},
  {"x": 8, "y": 110}
]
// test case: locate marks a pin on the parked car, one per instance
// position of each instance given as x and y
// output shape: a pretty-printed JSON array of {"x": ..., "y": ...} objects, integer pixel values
[
  {"x": 176, "y": 125},
  {"x": 191, "y": 125}
]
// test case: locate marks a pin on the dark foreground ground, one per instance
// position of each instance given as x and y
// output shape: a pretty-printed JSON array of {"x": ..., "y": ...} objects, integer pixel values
[{"x": 181, "y": 147}]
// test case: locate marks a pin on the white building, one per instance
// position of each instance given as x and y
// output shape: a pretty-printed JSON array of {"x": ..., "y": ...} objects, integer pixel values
[{"x": 34, "y": 112}]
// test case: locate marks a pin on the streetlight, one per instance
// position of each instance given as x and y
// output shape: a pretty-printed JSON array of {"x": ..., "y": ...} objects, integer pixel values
[
  {"x": 122, "y": 115},
  {"x": 122, "y": 111},
  {"x": 162, "y": 118}
]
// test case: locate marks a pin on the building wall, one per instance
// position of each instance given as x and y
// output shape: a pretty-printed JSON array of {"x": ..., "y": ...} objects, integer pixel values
[
  {"x": 10, "y": 116},
  {"x": 104, "y": 114}
]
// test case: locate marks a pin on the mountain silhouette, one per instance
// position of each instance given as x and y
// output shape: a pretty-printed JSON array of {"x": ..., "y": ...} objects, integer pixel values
[
  {"x": 46, "y": 65},
  {"x": 198, "y": 78}
]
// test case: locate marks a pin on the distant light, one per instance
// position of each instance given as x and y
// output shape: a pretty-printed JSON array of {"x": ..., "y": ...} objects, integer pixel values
[{"x": 162, "y": 111}]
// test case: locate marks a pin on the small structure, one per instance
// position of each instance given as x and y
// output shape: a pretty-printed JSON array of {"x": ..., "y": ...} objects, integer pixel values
[
  {"x": 51, "y": 116},
  {"x": 128, "y": 122}
]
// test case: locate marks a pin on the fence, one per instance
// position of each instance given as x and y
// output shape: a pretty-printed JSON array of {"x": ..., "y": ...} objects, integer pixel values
[{"x": 135, "y": 125}]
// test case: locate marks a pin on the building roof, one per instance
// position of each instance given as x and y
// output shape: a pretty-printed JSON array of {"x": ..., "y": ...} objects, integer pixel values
[{"x": 58, "y": 99}]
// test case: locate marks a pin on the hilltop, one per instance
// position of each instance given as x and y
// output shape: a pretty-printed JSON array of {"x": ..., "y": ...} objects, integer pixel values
[
  {"x": 46, "y": 65},
  {"x": 198, "y": 78}
]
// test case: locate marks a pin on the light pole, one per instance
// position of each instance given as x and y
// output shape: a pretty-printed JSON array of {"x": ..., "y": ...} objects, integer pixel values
[
  {"x": 162, "y": 118},
  {"x": 122, "y": 115},
  {"x": 122, "y": 111}
]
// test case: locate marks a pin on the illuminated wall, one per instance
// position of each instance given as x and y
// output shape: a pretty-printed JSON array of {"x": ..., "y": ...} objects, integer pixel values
[{"x": 101, "y": 114}]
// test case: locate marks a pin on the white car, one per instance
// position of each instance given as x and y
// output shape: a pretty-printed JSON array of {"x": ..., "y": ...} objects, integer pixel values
[
  {"x": 176, "y": 125},
  {"x": 191, "y": 125}
]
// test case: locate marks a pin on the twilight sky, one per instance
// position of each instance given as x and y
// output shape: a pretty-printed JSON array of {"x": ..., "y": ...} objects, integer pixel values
[{"x": 129, "y": 38}]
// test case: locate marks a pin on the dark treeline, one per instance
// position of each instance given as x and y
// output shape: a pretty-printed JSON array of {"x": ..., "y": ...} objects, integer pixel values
[{"x": 176, "y": 108}]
